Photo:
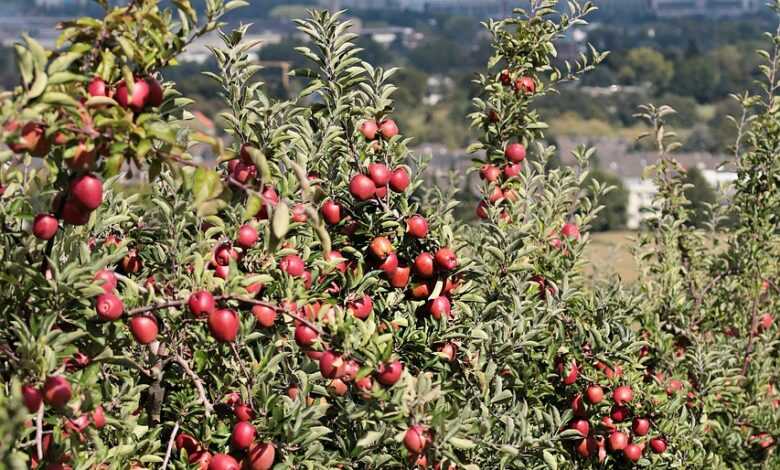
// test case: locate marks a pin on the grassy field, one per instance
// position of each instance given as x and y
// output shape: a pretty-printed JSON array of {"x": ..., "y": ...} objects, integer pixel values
[{"x": 610, "y": 253}]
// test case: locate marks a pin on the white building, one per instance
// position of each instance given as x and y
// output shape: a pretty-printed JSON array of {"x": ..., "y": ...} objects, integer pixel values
[{"x": 679, "y": 8}]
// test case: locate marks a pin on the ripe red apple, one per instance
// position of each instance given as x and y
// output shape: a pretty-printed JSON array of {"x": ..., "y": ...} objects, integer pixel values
[
  {"x": 222, "y": 272},
  {"x": 201, "y": 303},
  {"x": 618, "y": 440},
  {"x": 292, "y": 265},
  {"x": 223, "y": 253},
  {"x": 633, "y": 452},
  {"x": 299, "y": 214},
  {"x": 415, "y": 439},
  {"x": 82, "y": 159},
  {"x": 351, "y": 369},
  {"x": 570, "y": 231},
  {"x": 361, "y": 187},
  {"x": 155, "y": 92},
  {"x": 420, "y": 290},
  {"x": 305, "y": 336},
  {"x": 515, "y": 152},
  {"x": 97, "y": 87},
  {"x": 243, "y": 172},
  {"x": 446, "y": 260},
  {"x": 31, "y": 397},
  {"x": 186, "y": 442},
  {"x": 365, "y": 384},
  {"x": 417, "y": 226},
  {"x": 619, "y": 413},
  {"x": 265, "y": 316},
  {"x": 131, "y": 263},
  {"x": 640, "y": 426},
  {"x": 109, "y": 307},
  {"x": 224, "y": 325},
  {"x": 674, "y": 387},
  {"x": 247, "y": 236},
  {"x": 56, "y": 391},
  {"x": 144, "y": 328},
  {"x": 362, "y": 308},
  {"x": 243, "y": 435},
  {"x": 381, "y": 247},
  {"x": 525, "y": 85},
  {"x": 98, "y": 417},
  {"x": 489, "y": 173},
  {"x": 440, "y": 307},
  {"x": 389, "y": 264},
  {"x": 389, "y": 373},
  {"x": 106, "y": 279},
  {"x": 331, "y": 365},
  {"x": 594, "y": 394},
  {"x": 223, "y": 462},
  {"x": 512, "y": 169},
  {"x": 337, "y": 387},
  {"x": 505, "y": 77},
  {"x": 424, "y": 265},
  {"x": 45, "y": 226},
  {"x": 243, "y": 412},
  {"x": 582, "y": 426},
  {"x": 335, "y": 257},
  {"x": 260, "y": 457},
  {"x": 331, "y": 212},
  {"x": 765, "y": 321},
  {"x": 399, "y": 180},
  {"x": 137, "y": 100},
  {"x": 87, "y": 190},
  {"x": 379, "y": 174},
  {"x": 270, "y": 198},
  {"x": 388, "y": 128},
  {"x": 399, "y": 277},
  {"x": 369, "y": 129},
  {"x": 32, "y": 138},
  {"x": 623, "y": 395},
  {"x": 658, "y": 445},
  {"x": 570, "y": 375}
]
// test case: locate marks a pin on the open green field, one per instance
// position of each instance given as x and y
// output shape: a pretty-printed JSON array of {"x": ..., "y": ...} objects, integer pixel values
[{"x": 610, "y": 253}]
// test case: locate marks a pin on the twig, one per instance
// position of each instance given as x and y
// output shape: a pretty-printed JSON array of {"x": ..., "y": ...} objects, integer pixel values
[
  {"x": 198, "y": 383},
  {"x": 274, "y": 307},
  {"x": 170, "y": 446},
  {"x": 39, "y": 432},
  {"x": 150, "y": 308}
]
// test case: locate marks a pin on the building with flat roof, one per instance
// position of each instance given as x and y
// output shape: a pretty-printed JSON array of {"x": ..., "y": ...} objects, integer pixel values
[{"x": 681, "y": 8}]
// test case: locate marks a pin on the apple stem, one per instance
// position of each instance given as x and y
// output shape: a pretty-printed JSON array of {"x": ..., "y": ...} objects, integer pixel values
[
  {"x": 170, "y": 445},
  {"x": 198, "y": 384}
]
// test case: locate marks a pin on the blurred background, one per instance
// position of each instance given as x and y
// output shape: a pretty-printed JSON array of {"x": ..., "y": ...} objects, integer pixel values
[{"x": 690, "y": 54}]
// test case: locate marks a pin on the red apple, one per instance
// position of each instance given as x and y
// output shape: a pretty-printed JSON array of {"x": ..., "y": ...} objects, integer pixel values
[
  {"x": 223, "y": 462},
  {"x": 97, "y": 87},
  {"x": 389, "y": 264},
  {"x": 658, "y": 444},
  {"x": 155, "y": 92},
  {"x": 243, "y": 412},
  {"x": 515, "y": 152},
  {"x": 618, "y": 440},
  {"x": 582, "y": 426},
  {"x": 201, "y": 303},
  {"x": 247, "y": 236},
  {"x": 31, "y": 397},
  {"x": 381, "y": 247},
  {"x": 361, "y": 187},
  {"x": 417, "y": 226},
  {"x": 187, "y": 442},
  {"x": 56, "y": 391},
  {"x": 135, "y": 101},
  {"x": 399, "y": 277},
  {"x": 594, "y": 394},
  {"x": 109, "y": 307},
  {"x": 369, "y": 129},
  {"x": 399, "y": 180},
  {"x": 331, "y": 212},
  {"x": 525, "y": 85},
  {"x": 265, "y": 316},
  {"x": 144, "y": 328},
  {"x": 389, "y": 373},
  {"x": 331, "y": 365},
  {"x": 305, "y": 336},
  {"x": 440, "y": 307},
  {"x": 260, "y": 457},
  {"x": 640, "y": 426},
  {"x": 623, "y": 395},
  {"x": 570, "y": 231},
  {"x": 106, "y": 279},
  {"x": 633, "y": 452},
  {"x": 362, "y": 308},
  {"x": 619, "y": 413},
  {"x": 224, "y": 325},
  {"x": 489, "y": 173},
  {"x": 292, "y": 265},
  {"x": 243, "y": 435},
  {"x": 424, "y": 265},
  {"x": 446, "y": 260},
  {"x": 379, "y": 174},
  {"x": 571, "y": 374},
  {"x": 415, "y": 439},
  {"x": 388, "y": 128},
  {"x": 87, "y": 191},
  {"x": 45, "y": 226}
]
